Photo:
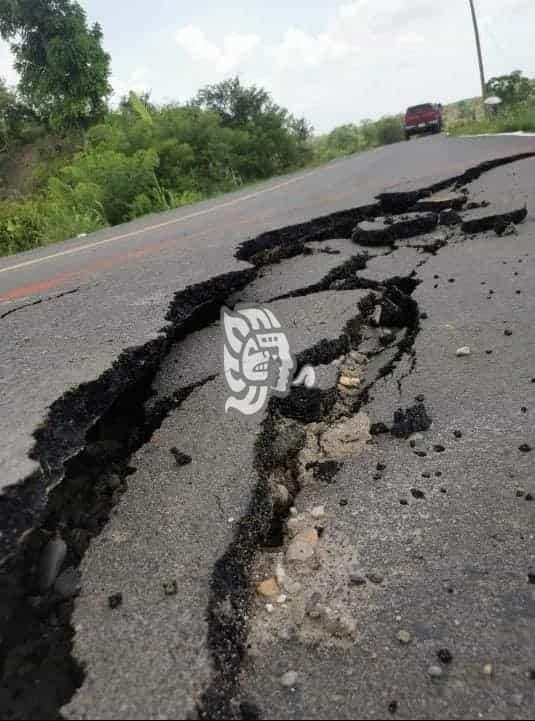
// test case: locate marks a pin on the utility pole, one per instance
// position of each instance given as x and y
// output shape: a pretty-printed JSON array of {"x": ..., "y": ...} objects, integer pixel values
[{"x": 479, "y": 53}]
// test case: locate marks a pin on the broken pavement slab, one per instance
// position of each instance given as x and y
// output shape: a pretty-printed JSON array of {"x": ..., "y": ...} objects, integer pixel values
[
  {"x": 484, "y": 219},
  {"x": 385, "y": 231},
  {"x": 437, "y": 202}
]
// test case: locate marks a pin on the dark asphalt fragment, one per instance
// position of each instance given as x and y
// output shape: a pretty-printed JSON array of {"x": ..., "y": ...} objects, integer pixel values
[
  {"x": 115, "y": 600},
  {"x": 445, "y": 656},
  {"x": 382, "y": 232},
  {"x": 412, "y": 420},
  {"x": 182, "y": 459},
  {"x": 170, "y": 588},
  {"x": 326, "y": 471}
]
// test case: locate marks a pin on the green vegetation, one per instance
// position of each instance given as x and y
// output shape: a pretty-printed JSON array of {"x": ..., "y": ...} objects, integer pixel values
[
  {"x": 63, "y": 69},
  {"x": 517, "y": 111},
  {"x": 70, "y": 165},
  {"x": 352, "y": 138}
]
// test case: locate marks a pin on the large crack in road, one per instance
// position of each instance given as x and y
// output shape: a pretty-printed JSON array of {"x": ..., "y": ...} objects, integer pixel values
[{"x": 86, "y": 449}]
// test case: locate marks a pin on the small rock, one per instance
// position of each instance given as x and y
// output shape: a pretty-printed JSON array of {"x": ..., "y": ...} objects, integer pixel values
[
  {"x": 435, "y": 671},
  {"x": 269, "y": 588},
  {"x": 445, "y": 656},
  {"x": 349, "y": 382},
  {"x": 318, "y": 512},
  {"x": 375, "y": 578},
  {"x": 464, "y": 351},
  {"x": 525, "y": 448},
  {"x": 339, "y": 624},
  {"x": 416, "y": 440},
  {"x": 270, "y": 608},
  {"x": 438, "y": 448},
  {"x": 458, "y": 434},
  {"x": 182, "y": 459},
  {"x": 170, "y": 588},
  {"x": 488, "y": 669},
  {"x": 281, "y": 495},
  {"x": 377, "y": 315},
  {"x": 308, "y": 535},
  {"x": 69, "y": 582},
  {"x": 282, "y": 599},
  {"x": 508, "y": 332},
  {"x": 51, "y": 561},
  {"x": 356, "y": 576},
  {"x": 416, "y": 493},
  {"x": 299, "y": 552},
  {"x": 289, "y": 680},
  {"x": 404, "y": 637},
  {"x": 115, "y": 601}
]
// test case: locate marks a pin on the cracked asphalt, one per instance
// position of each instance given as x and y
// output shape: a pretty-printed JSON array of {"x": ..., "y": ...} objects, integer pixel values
[{"x": 440, "y": 528}]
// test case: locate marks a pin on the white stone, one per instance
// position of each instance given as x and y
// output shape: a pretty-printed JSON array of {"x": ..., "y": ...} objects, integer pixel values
[
  {"x": 289, "y": 679},
  {"x": 464, "y": 351}
]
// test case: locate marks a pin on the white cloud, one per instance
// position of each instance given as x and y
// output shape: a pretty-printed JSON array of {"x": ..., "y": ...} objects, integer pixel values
[{"x": 223, "y": 59}]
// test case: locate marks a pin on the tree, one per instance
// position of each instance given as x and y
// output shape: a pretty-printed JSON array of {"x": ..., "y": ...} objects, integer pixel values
[
  {"x": 236, "y": 104},
  {"x": 512, "y": 89},
  {"x": 63, "y": 68}
]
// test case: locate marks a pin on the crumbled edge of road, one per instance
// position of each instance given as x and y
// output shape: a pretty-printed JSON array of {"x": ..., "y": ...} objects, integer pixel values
[{"x": 85, "y": 466}]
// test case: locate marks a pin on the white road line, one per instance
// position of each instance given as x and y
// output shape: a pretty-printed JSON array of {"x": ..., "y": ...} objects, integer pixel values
[{"x": 158, "y": 226}]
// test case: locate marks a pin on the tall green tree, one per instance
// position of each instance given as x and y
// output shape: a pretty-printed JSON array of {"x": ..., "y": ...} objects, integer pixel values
[
  {"x": 513, "y": 89},
  {"x": 234, "y": 103},
  {"x": 64, "y": 71}
]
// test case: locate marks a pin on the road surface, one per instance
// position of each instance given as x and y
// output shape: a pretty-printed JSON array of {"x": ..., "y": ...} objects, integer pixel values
[{"x": 114, "y": 354}]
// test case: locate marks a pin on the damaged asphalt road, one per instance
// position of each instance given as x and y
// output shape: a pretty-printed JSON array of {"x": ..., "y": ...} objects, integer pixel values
[{"x": 322, "y": 561}]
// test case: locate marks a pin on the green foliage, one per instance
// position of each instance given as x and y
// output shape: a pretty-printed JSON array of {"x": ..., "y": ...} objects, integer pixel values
[
  {"x": 351, "y": 138},
  {"x": 513, "y": 89},
  {"x": 63, "y": 69},
  {"x": 520, "y": 118},
  {"x": 389, "y": 130},
  {"x": 142, "y": 159},
  {"x": 32, "y": 222}
]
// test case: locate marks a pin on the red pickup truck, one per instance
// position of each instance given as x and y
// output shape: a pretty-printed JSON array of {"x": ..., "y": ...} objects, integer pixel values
[{"x": 422, "y": 119}]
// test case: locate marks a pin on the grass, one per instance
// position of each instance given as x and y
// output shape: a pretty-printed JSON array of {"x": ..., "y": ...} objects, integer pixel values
[{"x": 510, "y": 121}]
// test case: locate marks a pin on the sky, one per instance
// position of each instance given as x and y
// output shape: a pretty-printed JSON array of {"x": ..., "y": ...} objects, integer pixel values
[{"x": 332, "y": 61}]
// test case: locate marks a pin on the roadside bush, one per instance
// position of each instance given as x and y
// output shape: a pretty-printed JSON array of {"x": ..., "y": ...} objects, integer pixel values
[
  {"x": 389, "y": 130},
  {"x": 22, "y": 226},
  {"x": 520, "y": 118}
]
